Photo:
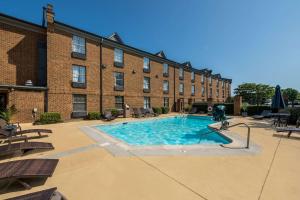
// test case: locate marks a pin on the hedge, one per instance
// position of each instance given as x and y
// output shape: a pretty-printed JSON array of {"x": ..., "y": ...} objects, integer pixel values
[
  {"x": 93, "y": 115},
  {"x": 256, "y": 110},
  {"x": 295, "y": 114},
  {"x": 49, "y": 118},
  {"x": 157, "y": 110},
  {"x": 165, "y": 110}
]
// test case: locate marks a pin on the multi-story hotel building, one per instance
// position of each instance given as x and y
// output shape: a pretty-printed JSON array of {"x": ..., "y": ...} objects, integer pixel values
[{"x": 56, "y": 67}]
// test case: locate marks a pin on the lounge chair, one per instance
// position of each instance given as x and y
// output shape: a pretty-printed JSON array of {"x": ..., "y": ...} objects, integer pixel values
[
  {"x": 49, "y": 194},
  {"x": 137, "y": 113},
  {"x": 108, "y": 116},
  {"x": 264, "y": 114},
  {"x": 4, "y": 134},
  {"x": 290, "y": 130},
  {"x": 24, "y": 147},
  {"x": 4, "y": 124},
  {"x": 193, "y": 110},
  {"x": 22, "y": 170}
]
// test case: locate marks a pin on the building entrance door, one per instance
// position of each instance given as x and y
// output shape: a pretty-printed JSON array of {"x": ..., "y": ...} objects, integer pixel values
[
  {"x": 2, "y": 101},
  {"x": 180, "y": 105}
]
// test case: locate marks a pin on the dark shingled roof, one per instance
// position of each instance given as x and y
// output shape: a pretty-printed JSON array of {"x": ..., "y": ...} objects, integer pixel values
[
  {"x": 115, "y": 37},
  {"x": 161, "y": 54}
]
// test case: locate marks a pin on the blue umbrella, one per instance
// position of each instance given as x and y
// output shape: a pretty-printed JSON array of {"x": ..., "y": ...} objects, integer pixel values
[{"x": 277, "y": 101}]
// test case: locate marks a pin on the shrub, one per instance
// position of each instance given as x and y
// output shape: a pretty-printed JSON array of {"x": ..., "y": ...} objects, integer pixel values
[
  {"x": 93, "y": 115},
  {"x": 7, "y": 114},
  {"x": 165, "y": 110},
  {"x": 256, "y": 110},
  {"x": 49, "y": 118},
  {"x": 229, "y": 107},
  {"x": 187, "y": 108},
  {"x": 114, "y": 112},
  {"x": 201, "y": 107},
  {"x": 295, "y": 114},
  {"x": 157, "y": 110}
]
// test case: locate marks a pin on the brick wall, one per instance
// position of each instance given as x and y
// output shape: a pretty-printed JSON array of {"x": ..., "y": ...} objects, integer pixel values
[
  {"x": 25, "y": 101},
  {"x": 18, "y": 55},
  {"x": 59, "y": 65}
]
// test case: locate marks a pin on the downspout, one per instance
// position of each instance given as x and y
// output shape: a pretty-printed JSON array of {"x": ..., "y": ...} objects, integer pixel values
[
  {"x": 101, "y": 85},
  {"x": 175, "y": 106}
]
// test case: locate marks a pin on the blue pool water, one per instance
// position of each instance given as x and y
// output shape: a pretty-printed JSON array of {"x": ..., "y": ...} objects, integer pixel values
[{"x": 167, "y": 131}]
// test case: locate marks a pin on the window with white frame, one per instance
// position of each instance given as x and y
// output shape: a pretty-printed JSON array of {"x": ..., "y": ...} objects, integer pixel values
[
  {"x": 192, "y": 76},
  {"x": 166, "y": 86},
  {"x": 79, "y": 103},
  {"x": 146, "y": 64},
  {"x": 166, "y": 69},
  {"x": 181, "y": 88},
  {"x": 181, "y": 73},
  {"x": 118, "y": 55},
  {"x": 119, "y": 102},
  {"x": 210, "y": 92},
  {"x": 202, "y": 78},
  {"x": 217, "y": 94},
  {"x": 119, "y": 80},
  {"x": 223, "y": 94},
  {"x": 146, "y": 83},
  {"x": 217, "y": 82},
  {"x": 210, "y": 81},
  {"x": 166, "y": 102},
  {"x": 78, "y": 44},
  {"x": 203, "y": 91},
  {"x": 193, "y": 89},
  {"x": 79, "y": 74},
  {"x": 147, "y": 102}
]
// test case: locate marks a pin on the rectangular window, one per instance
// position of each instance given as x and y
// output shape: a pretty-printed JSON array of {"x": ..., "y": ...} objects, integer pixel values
[
  {"x": 218, "y": 82},
  {"x": 166, "y": 70},
  {"x": 210, "y": 92},
  {"x": 118, "y": 57},
  {"x": 146, "y": 85},
  {"x": 193, "y": 76},
  {"x": 119, "y": 81},
  {"x": 217, "y": 94},
  {"x": 202, "y": 78},
  {"x": 119, "y": 102},
  {"x": 223, "y": 94},
  {"x": 147, "y": 102},
  {"x": 166, "y": 102},
  {"x": 181, "y": 88},
  {"x": 222, "y": 84},
  {"x": 181, "y": 73},
  {"x": 78, "y": 74},
  {"x": 193, "y": 90},
  {"x": 166, "y": 86},
  {"x": 78, "y": 44},
  {"x": 79, "y": 103},
  {"x": 210, "y": 81},
  {"x": 146, "y": 67},
  {"x": 203, "y": 91}
]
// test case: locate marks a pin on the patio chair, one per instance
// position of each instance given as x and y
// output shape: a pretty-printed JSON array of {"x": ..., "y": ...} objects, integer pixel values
[
  {"x": 21, "y": 171},
  {"x": 137, "y": 113},
  {"x": 22, "y": 148},
  {"x": 290, "y": 130},
  {"x": 4, "y": 124},
  {"x": 11, "y": 134},
  {"x": 49, "y": 194},
  {"x": 264, "y": 114},
  {"x": 151, "y": 112},
  {"x": 108, "y": 116},
  {"x": 193, "y": 110}
]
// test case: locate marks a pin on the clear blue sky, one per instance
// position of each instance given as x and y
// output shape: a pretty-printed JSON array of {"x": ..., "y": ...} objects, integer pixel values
[{"x": 248, "y": 41}]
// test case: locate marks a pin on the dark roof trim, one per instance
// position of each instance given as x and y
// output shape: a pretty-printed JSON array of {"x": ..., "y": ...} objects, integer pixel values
[
  {"x": 76, "y": 31},
  {"x": 6, "y": 19},
  {"x": 24, "y": 87}
]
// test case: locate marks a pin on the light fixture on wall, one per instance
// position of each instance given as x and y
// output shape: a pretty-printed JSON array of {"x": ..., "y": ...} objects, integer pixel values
[
  {"x": 133, "y": 71},
  {"x": 103, "y": 66},
  {"x": 156, "y": 76}
]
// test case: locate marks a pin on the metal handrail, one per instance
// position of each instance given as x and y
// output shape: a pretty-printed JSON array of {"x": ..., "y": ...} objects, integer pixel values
[{"x": 248, "y": 135}]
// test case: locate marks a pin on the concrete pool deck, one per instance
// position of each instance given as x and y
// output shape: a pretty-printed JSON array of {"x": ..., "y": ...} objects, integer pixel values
[{"x": 87, "y": 170}]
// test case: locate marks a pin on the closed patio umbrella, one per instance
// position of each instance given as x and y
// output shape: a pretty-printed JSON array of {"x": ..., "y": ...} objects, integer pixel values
[{"x": 277, "y": 101}]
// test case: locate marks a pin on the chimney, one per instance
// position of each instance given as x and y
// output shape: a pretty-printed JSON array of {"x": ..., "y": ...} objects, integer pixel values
[{"x": 49, "y": 14}]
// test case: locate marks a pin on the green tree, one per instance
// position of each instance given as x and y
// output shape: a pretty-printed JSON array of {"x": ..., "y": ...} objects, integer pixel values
[
  {"x": 253, "y": 93},
  {"x": 290, "y": 94}
]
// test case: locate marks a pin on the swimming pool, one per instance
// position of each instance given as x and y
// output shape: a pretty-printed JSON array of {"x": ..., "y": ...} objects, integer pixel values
[{"x": 179, "y": 130}]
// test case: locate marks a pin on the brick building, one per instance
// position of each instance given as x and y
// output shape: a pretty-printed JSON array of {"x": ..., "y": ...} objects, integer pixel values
[{"x": 59, "y": 68}]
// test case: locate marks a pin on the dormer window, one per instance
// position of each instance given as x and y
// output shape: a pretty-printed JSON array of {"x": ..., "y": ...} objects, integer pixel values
[
  {"x": 181, "y": 73},
  {"x": 146, "y": 67}
]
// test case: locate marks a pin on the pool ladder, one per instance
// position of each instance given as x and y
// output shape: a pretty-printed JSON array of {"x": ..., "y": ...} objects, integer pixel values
[{"x": 248, "y": 133}]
